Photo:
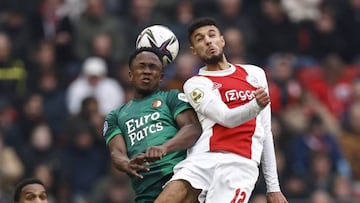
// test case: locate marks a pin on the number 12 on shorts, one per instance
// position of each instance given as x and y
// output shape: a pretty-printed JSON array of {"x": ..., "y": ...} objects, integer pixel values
[{"x": 239, "y": 197}]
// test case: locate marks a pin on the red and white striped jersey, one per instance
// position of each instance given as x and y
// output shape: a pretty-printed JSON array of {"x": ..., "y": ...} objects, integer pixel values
[{"x": 214, "y": 95}]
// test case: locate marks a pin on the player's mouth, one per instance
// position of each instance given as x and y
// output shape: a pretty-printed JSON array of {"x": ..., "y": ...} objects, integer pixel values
[
  {"x": 146, "y": 80},
  {"x": 211, "y": 50}
]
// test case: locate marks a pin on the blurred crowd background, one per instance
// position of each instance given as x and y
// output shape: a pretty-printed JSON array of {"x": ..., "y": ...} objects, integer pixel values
[{"x": 63, "y": 66}]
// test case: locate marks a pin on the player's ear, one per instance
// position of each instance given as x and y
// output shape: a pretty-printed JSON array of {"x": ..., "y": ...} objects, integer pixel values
[
  {"x": 193, "y": 51},
  {"x": 222, "y": 40},
  {"x": 130, "y": 75}
]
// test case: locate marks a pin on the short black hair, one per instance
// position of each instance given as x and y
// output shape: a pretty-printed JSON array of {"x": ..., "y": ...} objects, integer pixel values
[
  {"x": 200, "y": 22},
  {"x": 154, "y": 50},
  {"x": 22, "y": 184}
]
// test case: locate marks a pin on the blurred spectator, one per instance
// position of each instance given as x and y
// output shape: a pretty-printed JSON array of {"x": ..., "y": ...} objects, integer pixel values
[
  {"x": 90, "y": 118},
  {"x": 355, "y": 96},
  {"x": 185, "y": 66},
  {"x": 326, "y": 37},
  {"x": 285, "y": 90},
  {"x": 305, "y": 10},
  {"x": 349, "y": 26},
  {"x": 117, "y": 7},
  {"x": 333, "y": 84},
  {"x": 342, "y": 190},
  {"x": 183, "y": 15},
  {"x": 321, "y": 176},
  {"x": 11, "y": 169},
  {"x": 45, "y": 174},
  {"x": 41, "y": 149},
  {"x": 8, "y": 126},
  {"x": 122, "y": 75},
  {"x": 47, "y": 79},
  {"x": 232, "y": 14},
  {"x": 49, "y": 23},
  {"x": 102, "y": 47},
  {"x": 84, "y": 163},
  {"x": 317, "y": 139},
  {"x": 43, "y": 61},
  {"x": 25, "y": 7},
  {"x": 296, "y": 188},
  {"x": 72, "y": 8},
  {"x": 93, "y": 21},
  {"x": 12, "y": 72},
  {"x": 235, "y": 48},
  {"x": 94, "y": 82},
  {"x": 277, "y": 32},
  {"x": 53, "y": 95},
  {"x": 140, "y": 15},
  {"x": 13, "y": 23},
  {"x": 32, "y": 114},
  {"x": 350, "y": 139},
  {"x": 113, "y": 188},
  {"x": 320, "y": 196},
  {"x": 313, "y": 106}
]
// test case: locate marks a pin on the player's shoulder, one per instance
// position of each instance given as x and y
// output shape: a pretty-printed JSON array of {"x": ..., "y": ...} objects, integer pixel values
[
  {"x": 252, "y": 69},
  {"x": 197, "y": 79},
  {"x": 174, "y": 94},
  {"x": 115, "y": 112},
  {"x": 168, "y": 93}
]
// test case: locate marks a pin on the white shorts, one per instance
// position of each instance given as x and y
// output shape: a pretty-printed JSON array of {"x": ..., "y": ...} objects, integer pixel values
[{"x": 222, "y": 177}]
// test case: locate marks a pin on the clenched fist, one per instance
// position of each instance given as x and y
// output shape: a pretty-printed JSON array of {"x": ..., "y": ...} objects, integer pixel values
[{"x": 262, "y": 97}]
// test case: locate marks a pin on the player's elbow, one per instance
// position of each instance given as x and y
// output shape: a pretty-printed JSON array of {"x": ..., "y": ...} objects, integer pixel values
[
  {"x": 197, "y": 131},
  {"x": 226, "y": 119},
  {"x": 229, "y": 124}
]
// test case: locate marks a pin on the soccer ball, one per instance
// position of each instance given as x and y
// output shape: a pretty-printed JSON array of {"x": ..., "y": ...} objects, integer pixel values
[{"x": 161, "y": 37}]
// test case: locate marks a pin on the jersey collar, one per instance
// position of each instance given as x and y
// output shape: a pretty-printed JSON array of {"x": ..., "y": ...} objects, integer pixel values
[{"x": 225, "y": 72}]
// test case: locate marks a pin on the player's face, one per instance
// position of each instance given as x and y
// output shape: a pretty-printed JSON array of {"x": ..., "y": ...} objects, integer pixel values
[
  {"x": 146, "y": 73},
  {"x": 208, "y": 44},
  {"x": 33, "y": 193}
]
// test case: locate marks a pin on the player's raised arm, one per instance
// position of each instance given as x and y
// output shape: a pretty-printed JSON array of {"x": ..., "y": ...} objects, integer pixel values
[{"x": 200, "y": 93}]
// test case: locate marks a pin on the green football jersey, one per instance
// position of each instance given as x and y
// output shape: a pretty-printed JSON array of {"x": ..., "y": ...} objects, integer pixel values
[{"x": 144, "y": 123}]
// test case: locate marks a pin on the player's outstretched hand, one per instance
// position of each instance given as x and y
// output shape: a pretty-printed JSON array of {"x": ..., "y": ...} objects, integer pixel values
[
  {"x": 262, "y": 97},
  {"x": 137, "y": 163},
  {"x": 155, "y": 153},
  {"x": 275, "y": 197}
]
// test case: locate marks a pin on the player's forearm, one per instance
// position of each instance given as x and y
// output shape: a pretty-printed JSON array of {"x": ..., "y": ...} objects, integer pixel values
[
  {"x": 119, "y": 160},
  {"x": 268, "y": 160},
  {"x": 185, "y": 138},
  {"x": 217, "y": 111},
  {"x": 269, "y": 169}
]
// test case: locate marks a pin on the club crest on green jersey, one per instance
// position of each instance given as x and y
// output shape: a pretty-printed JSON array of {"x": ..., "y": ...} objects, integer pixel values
[{"x": 156, "y": 103}]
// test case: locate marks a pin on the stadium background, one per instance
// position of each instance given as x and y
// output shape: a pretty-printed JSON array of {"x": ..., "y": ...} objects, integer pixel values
[{"x": 309, "y": 48}]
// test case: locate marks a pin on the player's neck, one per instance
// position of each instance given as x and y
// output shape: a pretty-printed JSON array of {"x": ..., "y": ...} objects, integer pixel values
[
  {"x": 143, "y": 94},
  {"x": 222, "y": 65}
]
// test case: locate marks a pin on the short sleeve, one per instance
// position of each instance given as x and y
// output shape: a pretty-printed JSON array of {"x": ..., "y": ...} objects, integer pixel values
[
  {"x": 177, "y": 102},
  {"x": 111, "y": 128}
]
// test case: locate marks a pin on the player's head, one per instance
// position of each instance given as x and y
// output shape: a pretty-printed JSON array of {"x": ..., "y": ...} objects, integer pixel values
[
  {"x": 146, "y": 70},
  {"x": 30, "y": 190},
  {"x": 206, "y": 40}
]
